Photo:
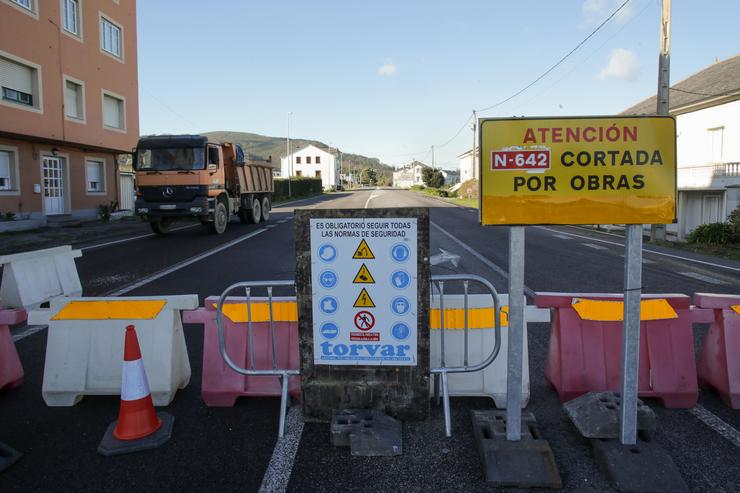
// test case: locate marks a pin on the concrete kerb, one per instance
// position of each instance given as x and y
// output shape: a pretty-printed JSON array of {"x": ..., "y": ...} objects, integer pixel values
[
  {"x": 32, "y": 278},
  {"x": 490, "y": 382},
  {"x": 86, "y": 339}
]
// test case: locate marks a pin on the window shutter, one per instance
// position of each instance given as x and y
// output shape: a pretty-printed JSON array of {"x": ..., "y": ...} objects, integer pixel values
[
  {"x": 71, "y": 100},
  {"x": 5, "y": 170},
  {"x": 94, "y": 182},
  {"x": 16, "y": 76},
  {"x": 111, "y": 112}
]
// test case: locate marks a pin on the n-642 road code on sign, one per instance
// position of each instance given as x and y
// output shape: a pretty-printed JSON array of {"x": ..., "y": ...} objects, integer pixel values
[{"x": 520, "y": 159}]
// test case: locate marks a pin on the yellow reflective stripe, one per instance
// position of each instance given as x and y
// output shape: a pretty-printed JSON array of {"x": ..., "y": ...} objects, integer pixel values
[
  {"x": 478, "y": 318},
  {"x": 613, "y": 311},
  {"x": 736, "y": 309},
  {"x": 110, "y": 310},
  {"x": 282, "y": 311}
]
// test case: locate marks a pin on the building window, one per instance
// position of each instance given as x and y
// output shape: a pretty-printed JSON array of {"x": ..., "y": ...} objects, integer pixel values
[
  {"x": 71, "y": 16},
  {"x": 318, "y": 173},
  {"x": 318, "y": 159},
  {"x": 110, "y": 37},
  {"x": 74, "y": 100},
  {"x": 114, "y": 112},
  {"x": 299, "y": 173},
  {"x": 95, "y": 176},
  {"x": 19, "y": 83},
  {"x": 298, "y": 160},
  {"x": 716, "y": 138},
  {"x": 8, "y": 170},
  {"x": 308, "y": 159}
]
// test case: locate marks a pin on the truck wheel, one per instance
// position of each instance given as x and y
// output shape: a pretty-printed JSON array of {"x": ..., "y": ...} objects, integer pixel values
[
  {"x": 256, "y": 211},
  {"x": 161, "y": 227},
  {"x": 266, "y": 209},
  {"x": 220, "y": 218}
]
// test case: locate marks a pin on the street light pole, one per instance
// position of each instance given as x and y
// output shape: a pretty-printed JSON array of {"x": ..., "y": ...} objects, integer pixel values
[{"x": 288, "y": 157}]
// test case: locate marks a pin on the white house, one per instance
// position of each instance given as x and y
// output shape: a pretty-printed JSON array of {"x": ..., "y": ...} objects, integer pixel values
[
  {"x": 468, "y": 166},
  {"x": 452, "y": 176},
  {"x": 707, "y": 110},
  {"x": 313, "y": 162},
  {"x": 409, "y": 175}
]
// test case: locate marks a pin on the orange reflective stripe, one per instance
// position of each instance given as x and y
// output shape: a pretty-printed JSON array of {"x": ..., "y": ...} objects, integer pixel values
[
  {"x": 282, "y": 311},
  {"x": 736, "y": 309},
  {"x": 613, "y": 311},
  {"x": 478, "y": 318},
  {"x": 111, "y": 310}
]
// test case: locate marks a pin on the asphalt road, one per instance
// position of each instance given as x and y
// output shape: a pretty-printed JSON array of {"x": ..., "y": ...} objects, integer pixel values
[{"x": 231, "y": 448}]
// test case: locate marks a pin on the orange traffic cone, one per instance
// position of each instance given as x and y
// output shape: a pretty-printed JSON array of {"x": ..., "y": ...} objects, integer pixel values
[
  {"x": 137, "y": 417},
  {"x": 139, "y": 427}
]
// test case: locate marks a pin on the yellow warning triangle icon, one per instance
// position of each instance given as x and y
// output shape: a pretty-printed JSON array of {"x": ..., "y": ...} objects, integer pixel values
[
  {"x": 363, "y": 276},
  {"x": 364, "y": 300},
  {"x": 363, "y": 251}
]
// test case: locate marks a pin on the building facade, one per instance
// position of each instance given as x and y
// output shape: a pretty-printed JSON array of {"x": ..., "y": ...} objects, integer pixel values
[
  {"x": 707, "y": 110},
  {"x": 468, "y": 166},
  {"x": 409, "y": 175},
  {"x": 68, "y": 105},
  {"x": 312, "y": 162}
]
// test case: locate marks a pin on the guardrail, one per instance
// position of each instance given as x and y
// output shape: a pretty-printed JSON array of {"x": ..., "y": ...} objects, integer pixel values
[
  {"x": 282, "y": 373},
  {"x": 440, "y": 373}
]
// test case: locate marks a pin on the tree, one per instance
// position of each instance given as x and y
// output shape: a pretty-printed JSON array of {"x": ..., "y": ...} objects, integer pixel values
[
  {"x": 368, "y": 176},
  {"x": 432, "y": 178}
]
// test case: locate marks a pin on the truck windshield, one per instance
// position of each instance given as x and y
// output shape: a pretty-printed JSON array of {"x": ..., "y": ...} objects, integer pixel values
[{"x": 171, "y": 158}]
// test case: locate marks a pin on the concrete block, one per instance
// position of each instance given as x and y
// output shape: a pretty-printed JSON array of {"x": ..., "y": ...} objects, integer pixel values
[{"x": 367, "y": 432}]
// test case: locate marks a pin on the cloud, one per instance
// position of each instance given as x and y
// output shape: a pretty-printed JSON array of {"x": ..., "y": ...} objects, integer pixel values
[
  {"x": 595, "y": 11},
  {"x": 623, "y": 65},
  {"x": 388, "y": 69}
]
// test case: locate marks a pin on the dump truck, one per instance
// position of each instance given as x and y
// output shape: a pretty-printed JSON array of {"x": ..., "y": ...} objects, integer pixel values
[{"x": 189, "y": 177}]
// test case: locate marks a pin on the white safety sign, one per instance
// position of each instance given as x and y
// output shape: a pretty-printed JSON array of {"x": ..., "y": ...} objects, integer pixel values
[{"x": 364, "y": 290}]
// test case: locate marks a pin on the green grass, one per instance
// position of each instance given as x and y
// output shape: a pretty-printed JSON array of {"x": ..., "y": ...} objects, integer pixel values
[{"x": 433, "y": 192}]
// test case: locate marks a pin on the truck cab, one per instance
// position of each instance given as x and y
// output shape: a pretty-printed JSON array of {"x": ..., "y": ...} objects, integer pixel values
[{"x": 189, "y": 177}]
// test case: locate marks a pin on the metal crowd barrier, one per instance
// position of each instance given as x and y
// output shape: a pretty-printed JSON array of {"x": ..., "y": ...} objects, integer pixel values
[
  {"x": 440, "y": 373},
  {"x": 282, "y": 373}
]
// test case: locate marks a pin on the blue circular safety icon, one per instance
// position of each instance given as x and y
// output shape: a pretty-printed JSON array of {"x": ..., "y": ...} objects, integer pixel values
[
  {"x": 400, "y": 305},
  {"x": 400, "y": 252},
  {"x": 328, "y": 305},
  {"x": 400, "y": 279},
  {"x": 329, "y": 330},
  {"x": 327, "y": 252},
  {"x": 328, "y": 279},
  {"x": 400, "y": 331}
]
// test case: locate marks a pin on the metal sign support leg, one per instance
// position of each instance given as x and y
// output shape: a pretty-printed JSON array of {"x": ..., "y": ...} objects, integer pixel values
[
  {"x": 631, "y": 334},
  {"x": 516, "y": 334}
]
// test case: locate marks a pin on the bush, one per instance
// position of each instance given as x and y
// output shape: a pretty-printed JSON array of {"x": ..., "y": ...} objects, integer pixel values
[
  {"x": 734, "y": 220},
  {"x": 8, "y": 216},
  {"x": 105, "y": 210},
  {"x": 712, "y": 233},
  {"x": 299, "y": 187},
  {"x": 443, "y": 193}
]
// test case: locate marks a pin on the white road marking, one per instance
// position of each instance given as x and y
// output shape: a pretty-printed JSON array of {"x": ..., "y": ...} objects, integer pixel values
[
  {"x": 719, "y": 266},
  {"x": 278, "y": 471},
  {"x": 480, "y": 257},
  {"x": 563, "y": 237},
  {"x": 702, "y": 277},
  {"x": 132, "y": 238},
  {"x": 29, "y": 331},
  {"x": 716, "y": 423},
  {"x": 371, "y": 197},
  {"x": 594, "y": 246},
  {"x": 270, "y": 226}
]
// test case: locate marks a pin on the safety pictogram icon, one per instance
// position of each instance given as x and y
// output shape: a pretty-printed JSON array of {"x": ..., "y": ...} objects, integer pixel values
[
  {"x": 364, "y": 300},
  {"x": 363, "y": 276},
  {"x": 364, "y": 320},
  {"x": 363, "y": 251}
]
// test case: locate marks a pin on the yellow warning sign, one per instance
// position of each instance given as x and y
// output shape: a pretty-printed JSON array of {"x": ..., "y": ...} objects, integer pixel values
[
  {"x": 364, "y": 300},
  {"x": 363, "y": 251},
  {"x": 363, "y": 276}
]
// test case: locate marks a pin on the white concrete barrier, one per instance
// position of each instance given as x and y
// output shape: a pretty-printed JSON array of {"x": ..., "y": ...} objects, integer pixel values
[
  {"x": 490, "y": 382},
  {"x": 32, "y": 278},
  {"x": 84, "y": 350}
]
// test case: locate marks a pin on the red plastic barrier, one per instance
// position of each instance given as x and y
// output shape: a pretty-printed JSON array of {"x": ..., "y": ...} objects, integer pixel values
[
  {"x": 220, "y": 385},
  {"x": 719, "y": 364},
  {"x": 11, "y": 370},
  {"x": 586, "y": 355}
]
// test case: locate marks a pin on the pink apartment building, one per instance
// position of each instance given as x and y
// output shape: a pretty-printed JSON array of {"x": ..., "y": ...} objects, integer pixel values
[{"x": 69, "y": 109}]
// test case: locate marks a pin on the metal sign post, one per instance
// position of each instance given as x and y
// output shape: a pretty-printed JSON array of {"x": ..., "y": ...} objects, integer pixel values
[
  {"x": 631, "y": 334},
  {"x": 516, "y": 334}
]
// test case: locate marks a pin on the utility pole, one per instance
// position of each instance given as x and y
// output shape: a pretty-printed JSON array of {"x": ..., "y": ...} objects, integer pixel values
[
  {"x": 473, "y": 154},
  {"x": 289, "y": 158},
  {"x": 657, "y": 231},
  {"x": 433, "y": 167}
]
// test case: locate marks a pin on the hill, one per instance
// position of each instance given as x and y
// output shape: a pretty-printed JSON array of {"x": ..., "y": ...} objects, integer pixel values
[{"x": 262, "y": 146}]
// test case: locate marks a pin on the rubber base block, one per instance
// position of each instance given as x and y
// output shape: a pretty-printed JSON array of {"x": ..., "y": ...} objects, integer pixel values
[
  {"x": 111, "y": 445},
  {"x": 367, "y": 432},
  {"x": 596, "y": 415},
  {"x": 8, "y": 456},
  {"x": 527, "y": 463},
  {"x": 641, "y": 468}
]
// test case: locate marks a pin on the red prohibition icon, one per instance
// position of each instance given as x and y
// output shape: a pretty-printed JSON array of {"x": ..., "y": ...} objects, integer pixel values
[{"x": 364, "y": 320}]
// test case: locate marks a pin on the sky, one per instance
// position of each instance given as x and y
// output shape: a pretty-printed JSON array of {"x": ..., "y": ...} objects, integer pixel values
[{"x": 390, "y": 79}]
